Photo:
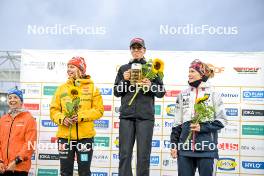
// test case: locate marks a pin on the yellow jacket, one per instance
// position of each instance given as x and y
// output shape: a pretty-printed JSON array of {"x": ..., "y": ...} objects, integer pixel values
[{"x": 91, "y": 108}]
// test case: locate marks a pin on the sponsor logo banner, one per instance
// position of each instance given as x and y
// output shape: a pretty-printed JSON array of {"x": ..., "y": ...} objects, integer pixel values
[
  {"x": 226, "y": 164},
  {"x": 101, "y": 123},
  {"x": 231, "y": 111},
  {"x": 252, "y": 165},
  {"x": 48, "y": 172},
  {"x": 106, "y": 91},
  {"x": 48, "y": 123},
  {"x": 247, "y": 70},
  {"x": 252, "y": 112},
  {"x": 253, "y": 130},
  {"x": 101, "y": 141},
  {"x": 99, "y": 173},
  {"x": 49, "y": 90},
  {"x": 43, "y": 156}
]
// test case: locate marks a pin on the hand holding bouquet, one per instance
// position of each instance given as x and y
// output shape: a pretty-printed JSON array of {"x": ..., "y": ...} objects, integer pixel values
[
  {"x": 72, "y": 107},
  {"x": 150, "y": 71},
  {"x": 203, "y": 113}
]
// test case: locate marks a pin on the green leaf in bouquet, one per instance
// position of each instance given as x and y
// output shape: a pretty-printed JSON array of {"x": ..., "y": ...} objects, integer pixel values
[
  {"x": 69, "y": 106},
  {"x": 161, "y": 75},
  {"x": 76, "y": 101}
]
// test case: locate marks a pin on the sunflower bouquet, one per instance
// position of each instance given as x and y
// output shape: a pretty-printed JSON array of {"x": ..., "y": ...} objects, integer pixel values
[
  {"x": 203, "y": 113},
  {"x": 150, "y": 70},
  {"x": 72, "y": 107}
]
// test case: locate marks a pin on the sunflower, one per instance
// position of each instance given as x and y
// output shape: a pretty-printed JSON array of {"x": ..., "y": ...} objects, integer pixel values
[
  {"x": 200, "y": 100},
  {"x": 157, "y": 66},
  {"x": 74, "y": 92}
]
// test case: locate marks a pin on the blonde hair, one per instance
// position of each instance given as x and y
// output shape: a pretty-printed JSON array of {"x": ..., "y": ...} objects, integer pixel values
[{"x": 208, "y": 71}]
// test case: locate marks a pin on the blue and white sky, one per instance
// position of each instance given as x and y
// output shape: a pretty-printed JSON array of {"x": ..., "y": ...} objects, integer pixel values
[{"x": 121, "y": 20}]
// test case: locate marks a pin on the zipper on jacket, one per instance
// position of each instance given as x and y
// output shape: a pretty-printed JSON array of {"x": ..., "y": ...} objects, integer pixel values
[
  {"x": 196, "y": 94},
  {"x": 212, "y": 137},
  {"x": 9, "y": 138}
]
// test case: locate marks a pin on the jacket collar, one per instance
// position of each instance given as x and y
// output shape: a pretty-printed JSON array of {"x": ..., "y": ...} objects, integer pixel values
[
  {"x": 203, "y": 86},
  {"x": 15, "y": 112},
  {"x": 78, "y": 82},
  {"x": 141, "y": 61}
]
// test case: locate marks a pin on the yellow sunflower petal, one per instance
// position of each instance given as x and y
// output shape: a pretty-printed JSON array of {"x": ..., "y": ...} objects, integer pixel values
[
  {"x": 74, "y": 92},
  {"x": 158, "y": 65}
]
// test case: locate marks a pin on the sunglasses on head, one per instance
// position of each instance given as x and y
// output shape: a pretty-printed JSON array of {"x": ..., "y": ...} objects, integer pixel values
[{"x": 138, "y": 47}]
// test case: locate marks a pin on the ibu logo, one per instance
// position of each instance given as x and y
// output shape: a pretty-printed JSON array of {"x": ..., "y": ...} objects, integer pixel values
[
  {"x": 106, "y": 91},
  {"x": 155, "y": 143},
  {"x": 101, "y": 124},
  {"x": 154, "y": 160},
  {"x": 99, "y": 174},
  {"x": 231, "y": 111}
]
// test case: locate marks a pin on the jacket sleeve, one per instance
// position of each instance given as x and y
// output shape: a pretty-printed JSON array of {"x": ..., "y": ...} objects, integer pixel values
[
  {"x": 175, "y": 136},
  {"x": 56, "y": 114},
  {"x": 30, "y": 140},
  {"x": 96, "y": 111},
  {"x": 220, "y": 118},
  {"x": 121, "y": 85},
  {"x": 157, "y": 88},
  {"x": 177, "y": 127}
]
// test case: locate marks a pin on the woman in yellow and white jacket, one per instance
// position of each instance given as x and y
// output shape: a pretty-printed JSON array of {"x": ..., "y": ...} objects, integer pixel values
[
  {"x": 201, "y": 151},
  {"x": 82, "y": 127}
]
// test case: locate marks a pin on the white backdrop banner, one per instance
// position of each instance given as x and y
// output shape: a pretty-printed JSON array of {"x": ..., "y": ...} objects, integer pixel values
[{"x": 239, "y": 79}]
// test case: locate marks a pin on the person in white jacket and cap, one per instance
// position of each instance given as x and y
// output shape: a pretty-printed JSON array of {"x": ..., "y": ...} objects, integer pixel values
[{"x": 200, "y": 151}]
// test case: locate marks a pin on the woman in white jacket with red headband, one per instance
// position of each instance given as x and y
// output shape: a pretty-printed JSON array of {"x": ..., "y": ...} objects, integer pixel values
[{"x": 201, "y": 149}]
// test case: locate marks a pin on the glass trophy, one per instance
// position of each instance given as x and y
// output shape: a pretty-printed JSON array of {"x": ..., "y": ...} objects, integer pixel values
[{"x": 136, "y": 73}]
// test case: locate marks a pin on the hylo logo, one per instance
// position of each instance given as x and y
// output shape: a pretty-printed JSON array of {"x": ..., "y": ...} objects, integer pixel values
[
  {"x": 48, "y": 123},
  {"x": 252, "y": 165}
]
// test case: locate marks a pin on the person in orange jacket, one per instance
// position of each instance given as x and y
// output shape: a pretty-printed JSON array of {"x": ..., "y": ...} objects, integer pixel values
[
  {"x": 18, "y": 134},
  {"x": 76, "y": 132}
]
